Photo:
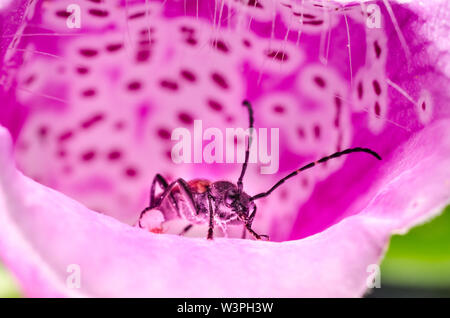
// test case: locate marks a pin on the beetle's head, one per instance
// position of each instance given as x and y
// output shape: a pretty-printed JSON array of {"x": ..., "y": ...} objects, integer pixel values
[{"x": 231, "y": 201}]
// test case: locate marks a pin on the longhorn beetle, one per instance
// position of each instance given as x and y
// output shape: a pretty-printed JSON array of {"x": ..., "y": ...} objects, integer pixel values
[{"x": 222, "y": 202}]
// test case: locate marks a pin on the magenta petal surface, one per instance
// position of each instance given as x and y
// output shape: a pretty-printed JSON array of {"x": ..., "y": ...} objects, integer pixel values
[
  {"x": 44, "y": 232},
  {"x": 90, "y": 113},
  {"x": 91, "y": 110}
]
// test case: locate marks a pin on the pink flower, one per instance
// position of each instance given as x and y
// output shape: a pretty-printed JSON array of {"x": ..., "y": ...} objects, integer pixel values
[{"x": 91, "y": 109}]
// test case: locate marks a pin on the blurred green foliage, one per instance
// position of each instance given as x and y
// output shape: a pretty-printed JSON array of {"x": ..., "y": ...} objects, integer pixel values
[
  {"x": 8, "y": 285},
  {"x": 421, "y": 258}
]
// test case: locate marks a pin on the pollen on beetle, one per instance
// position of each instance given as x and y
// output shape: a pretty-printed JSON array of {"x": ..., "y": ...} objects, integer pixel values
[{"x": 152, "y": 221}]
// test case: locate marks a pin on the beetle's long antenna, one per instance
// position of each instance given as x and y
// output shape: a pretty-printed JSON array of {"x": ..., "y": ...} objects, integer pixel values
[
  {"x": 312, "y": 164},
  {"x": 247, "y": 151}
]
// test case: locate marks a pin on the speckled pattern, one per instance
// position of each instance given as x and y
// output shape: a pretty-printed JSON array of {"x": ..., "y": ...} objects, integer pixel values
[{"x": 94, "y": 107}]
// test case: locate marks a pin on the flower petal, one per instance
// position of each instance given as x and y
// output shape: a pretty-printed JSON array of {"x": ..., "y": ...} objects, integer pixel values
[
  {"x": 100, "y": 106},
  {"x": 43, "y": 232}
]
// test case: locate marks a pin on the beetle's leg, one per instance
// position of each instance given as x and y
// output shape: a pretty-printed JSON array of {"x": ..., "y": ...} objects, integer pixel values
[
  {"x": 162, "y": 183},
  {"x": 244, "y": 232},
  {"x": 167, "y": 191},
  {"x": 211, "y": 219},
  {"x": 142, "y": 213},
  {"x": 185, "y": 187},
  {"x": 248, "y": 226},
  {"x": 186, "y": 229},
  {"x": 256, "y": 235}
]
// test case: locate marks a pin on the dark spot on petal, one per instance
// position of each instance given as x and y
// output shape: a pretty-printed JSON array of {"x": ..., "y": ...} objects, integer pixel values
[
  {"x": 146, "y": 42},
  {"x": 219, "y": 80},
  {"x": 143, "y": 55},
  {"x": 360, "y": 90},
  {"x": 88, "y": 52},
  {"x": 30, "y": 79},
  {"x": 338, "y": 103},
  {"x": 246, "y": 43},
  {"x": 376, "y": 87},
  {"x": 89, "y": 92},
  {"x": 253, "y": 3},
  {"x": 63, "y": 14},
  {"x": 336, "y": 122},
  {"x": 319, "y": 81},
  {"x": 317, "y": 131},
  {"x": 134, "y": 85},
  {"x": 92, "y": 121},
  {"x": 377, "y": 49},
  {"x": 168, "y": 84},
  {"x": 424, "y": 106},
  {"x": 191, "y": 41},
  {"x": 301, "y": 132},
  {"x": 215, "y": 105},
  {"x": 82, "y": 70},
  {"x": 114, "y": 155},
  {"x": 164, "y": 133},
  {"x": 278, "y": 109},
  {"x": 137, "y": 15},
  {"x": 305, "y": 15},
  {"x": 42, "y": 132},
  {"x": 313, "y": 22},
  {"x": 186, "y": 29},
  {"x": 188, "y": 75},
  {"x": 147, "y": 30},
  {"x": 185, "y": 118},
  {"x": 377, "y": 109},
  {"x": 114, "y": 47},
  {"x": 220, "y": 45},
  {"x": 277, "y": 55},
  {"x": 131, "y": 172},
  {"x": 88, "y": 155},
  {"x": 99, "y": 13},
  {"x": 65, "y": 135}
]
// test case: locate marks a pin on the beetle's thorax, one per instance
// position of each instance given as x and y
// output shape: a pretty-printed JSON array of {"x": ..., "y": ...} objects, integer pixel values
[{"x": 231, "y": 205}]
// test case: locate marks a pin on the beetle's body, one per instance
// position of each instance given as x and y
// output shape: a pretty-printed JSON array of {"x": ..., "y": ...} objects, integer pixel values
[
  {"x": 219, "y": 203},
  {"x": 177, "y": 203},
  {"x": 198, "y": 189}
]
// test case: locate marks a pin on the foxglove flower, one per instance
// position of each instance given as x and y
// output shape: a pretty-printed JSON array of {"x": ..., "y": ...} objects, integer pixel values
[{"x": 91, "y": 91}]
